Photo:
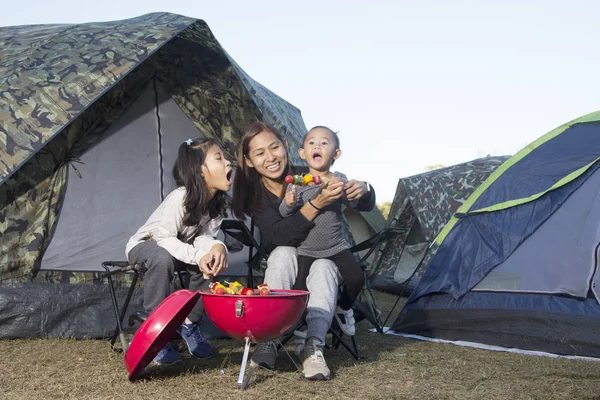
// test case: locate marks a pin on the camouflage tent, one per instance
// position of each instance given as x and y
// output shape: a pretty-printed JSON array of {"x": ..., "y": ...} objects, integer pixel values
[
  {"x": 422, "y": 206},
  {"x": 91, "y": 116}
]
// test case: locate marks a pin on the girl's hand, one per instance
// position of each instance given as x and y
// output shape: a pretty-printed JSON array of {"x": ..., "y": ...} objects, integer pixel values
[
  {"x": 330, "y": 193},
  {"x": 354, "y": 190},
  {"x": 290, "y": 197},
  {"x": 214, "y": 262}
]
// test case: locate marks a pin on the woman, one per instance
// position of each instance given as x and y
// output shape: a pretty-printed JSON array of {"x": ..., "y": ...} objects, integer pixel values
[{"x": 258, "y": 188}]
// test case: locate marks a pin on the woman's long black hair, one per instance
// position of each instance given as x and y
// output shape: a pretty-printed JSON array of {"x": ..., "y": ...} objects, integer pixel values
[{"x": 186, "y": 172}]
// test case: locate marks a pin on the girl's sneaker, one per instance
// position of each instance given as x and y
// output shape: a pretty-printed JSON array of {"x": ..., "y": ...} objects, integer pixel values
[
  {"x": 345, "y": 319},
  {"x": 167, "y": 355},
  {"x": 196, "y": 344},
  {"x": 265, "y": 355}
]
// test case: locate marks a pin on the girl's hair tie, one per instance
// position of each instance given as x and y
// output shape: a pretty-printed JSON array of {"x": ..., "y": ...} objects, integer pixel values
[{"x": 189, "y": 142}]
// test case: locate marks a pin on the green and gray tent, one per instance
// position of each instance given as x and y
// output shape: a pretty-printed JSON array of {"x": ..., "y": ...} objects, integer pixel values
[
  {"x": 422, "y": 206},
  {"x": 91, "y": 117},
  {"x": 517, "y": 265}
]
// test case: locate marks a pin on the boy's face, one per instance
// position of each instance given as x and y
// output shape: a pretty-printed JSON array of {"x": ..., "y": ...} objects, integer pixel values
[{"x": 319, "y": 150}]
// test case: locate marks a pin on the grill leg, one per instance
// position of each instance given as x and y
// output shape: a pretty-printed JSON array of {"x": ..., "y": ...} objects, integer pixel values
[{"x": 241, "y": 383}]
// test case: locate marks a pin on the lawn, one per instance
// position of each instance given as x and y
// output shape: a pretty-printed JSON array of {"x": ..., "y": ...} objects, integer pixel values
[{"x": 393, "y": 367}]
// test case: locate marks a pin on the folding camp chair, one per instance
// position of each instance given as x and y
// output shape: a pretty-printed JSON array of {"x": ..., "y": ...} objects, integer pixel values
[
  {"x": 108, "y": 270},
  {"x": 363, "y": 309},
  {"x": 119, "y": 267},
  {"x": 407, "y": 281},
  {"x": 239, "y": 231},
  {"x": 368, "y": 308},
  {"x": 234, "y": 228}
]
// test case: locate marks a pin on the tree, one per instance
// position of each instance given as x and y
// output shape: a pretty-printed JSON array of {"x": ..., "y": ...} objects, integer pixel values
[
  {"x": 435, "y": 166},
  {"x": 385, "y": 208}
]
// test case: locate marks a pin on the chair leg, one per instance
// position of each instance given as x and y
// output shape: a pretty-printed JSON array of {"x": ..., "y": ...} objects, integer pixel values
[
  {"x": 113, "y": 297},
  {"x": 120, "y": 316},
  {"x": 392, "y": 310},
  {"x": 369, "y": 315},
  {"x": 139, "y": 316},
  {"x": 290, "y": 334},
  {"x": 355, "y": 346},
  {"x": 129, "y": 295},
  {"x": 406, "y": 282},
  {"x": 181, "y": 279},
  {"x": 250, "y": 276},
  {"x": 337, "y": 339},
  {"x": 372, "y": 304}
]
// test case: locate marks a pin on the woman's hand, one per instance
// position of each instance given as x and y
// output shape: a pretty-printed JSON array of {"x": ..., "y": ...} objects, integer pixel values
[
  {"x": 355, "y": 190},
  {"x": 330, "y": 193},
  {"x": 214, "y": 262}
]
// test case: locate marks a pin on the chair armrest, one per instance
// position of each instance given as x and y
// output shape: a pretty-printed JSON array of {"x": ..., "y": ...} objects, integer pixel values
[
  {"x": 363, "y": 265},
  {"x": 121, "y": 266},
  {"x": 239, "y": 231},
  {"x": 372, "y": 242}
]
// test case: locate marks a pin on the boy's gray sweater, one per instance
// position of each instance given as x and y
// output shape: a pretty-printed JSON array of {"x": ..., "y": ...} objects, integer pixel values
[{"x": 327, "y": 237}]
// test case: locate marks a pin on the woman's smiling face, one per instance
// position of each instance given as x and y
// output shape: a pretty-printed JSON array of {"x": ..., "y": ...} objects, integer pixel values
[{"x": 267, "y": 155}]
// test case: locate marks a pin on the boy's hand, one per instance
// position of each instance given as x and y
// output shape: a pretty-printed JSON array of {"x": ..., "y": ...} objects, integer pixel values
[
  {"x": 290, "y": 197},
  {"x": 214, "y": 262},
  {"x": 332, "y": 190},
  {"x": 354, "y": 190}
]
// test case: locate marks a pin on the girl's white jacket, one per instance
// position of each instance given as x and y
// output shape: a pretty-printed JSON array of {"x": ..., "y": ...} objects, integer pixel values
[{"x": 165, "y": 226}]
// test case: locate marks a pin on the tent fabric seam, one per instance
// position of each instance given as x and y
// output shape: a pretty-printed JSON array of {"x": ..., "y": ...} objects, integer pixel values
[{"x": 513, "y": 203}]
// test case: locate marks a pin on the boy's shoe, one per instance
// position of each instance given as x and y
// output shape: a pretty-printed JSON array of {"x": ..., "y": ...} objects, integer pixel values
[
  {"x": 264, "y": 355},
  {"x": 196, "y": 344},
  {"x": 167, "y": 355},
  {"x": 345, "y": 319},
  {"x": 313, "y": 362}
]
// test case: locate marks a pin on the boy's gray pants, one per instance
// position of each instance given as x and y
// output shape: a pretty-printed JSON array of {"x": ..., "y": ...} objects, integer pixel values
[
  {"x": 160, "y": 270},
  {"x": 322, "y": 283}
]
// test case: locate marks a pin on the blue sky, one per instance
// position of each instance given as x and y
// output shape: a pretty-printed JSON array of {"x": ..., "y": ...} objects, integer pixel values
[{"x": 407, "y": 83}]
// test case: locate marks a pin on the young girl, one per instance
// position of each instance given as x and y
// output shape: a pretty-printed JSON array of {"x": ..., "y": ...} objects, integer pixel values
[
  {"x": 327, "y": 239},
  {"x": 181, "y": 234}
]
